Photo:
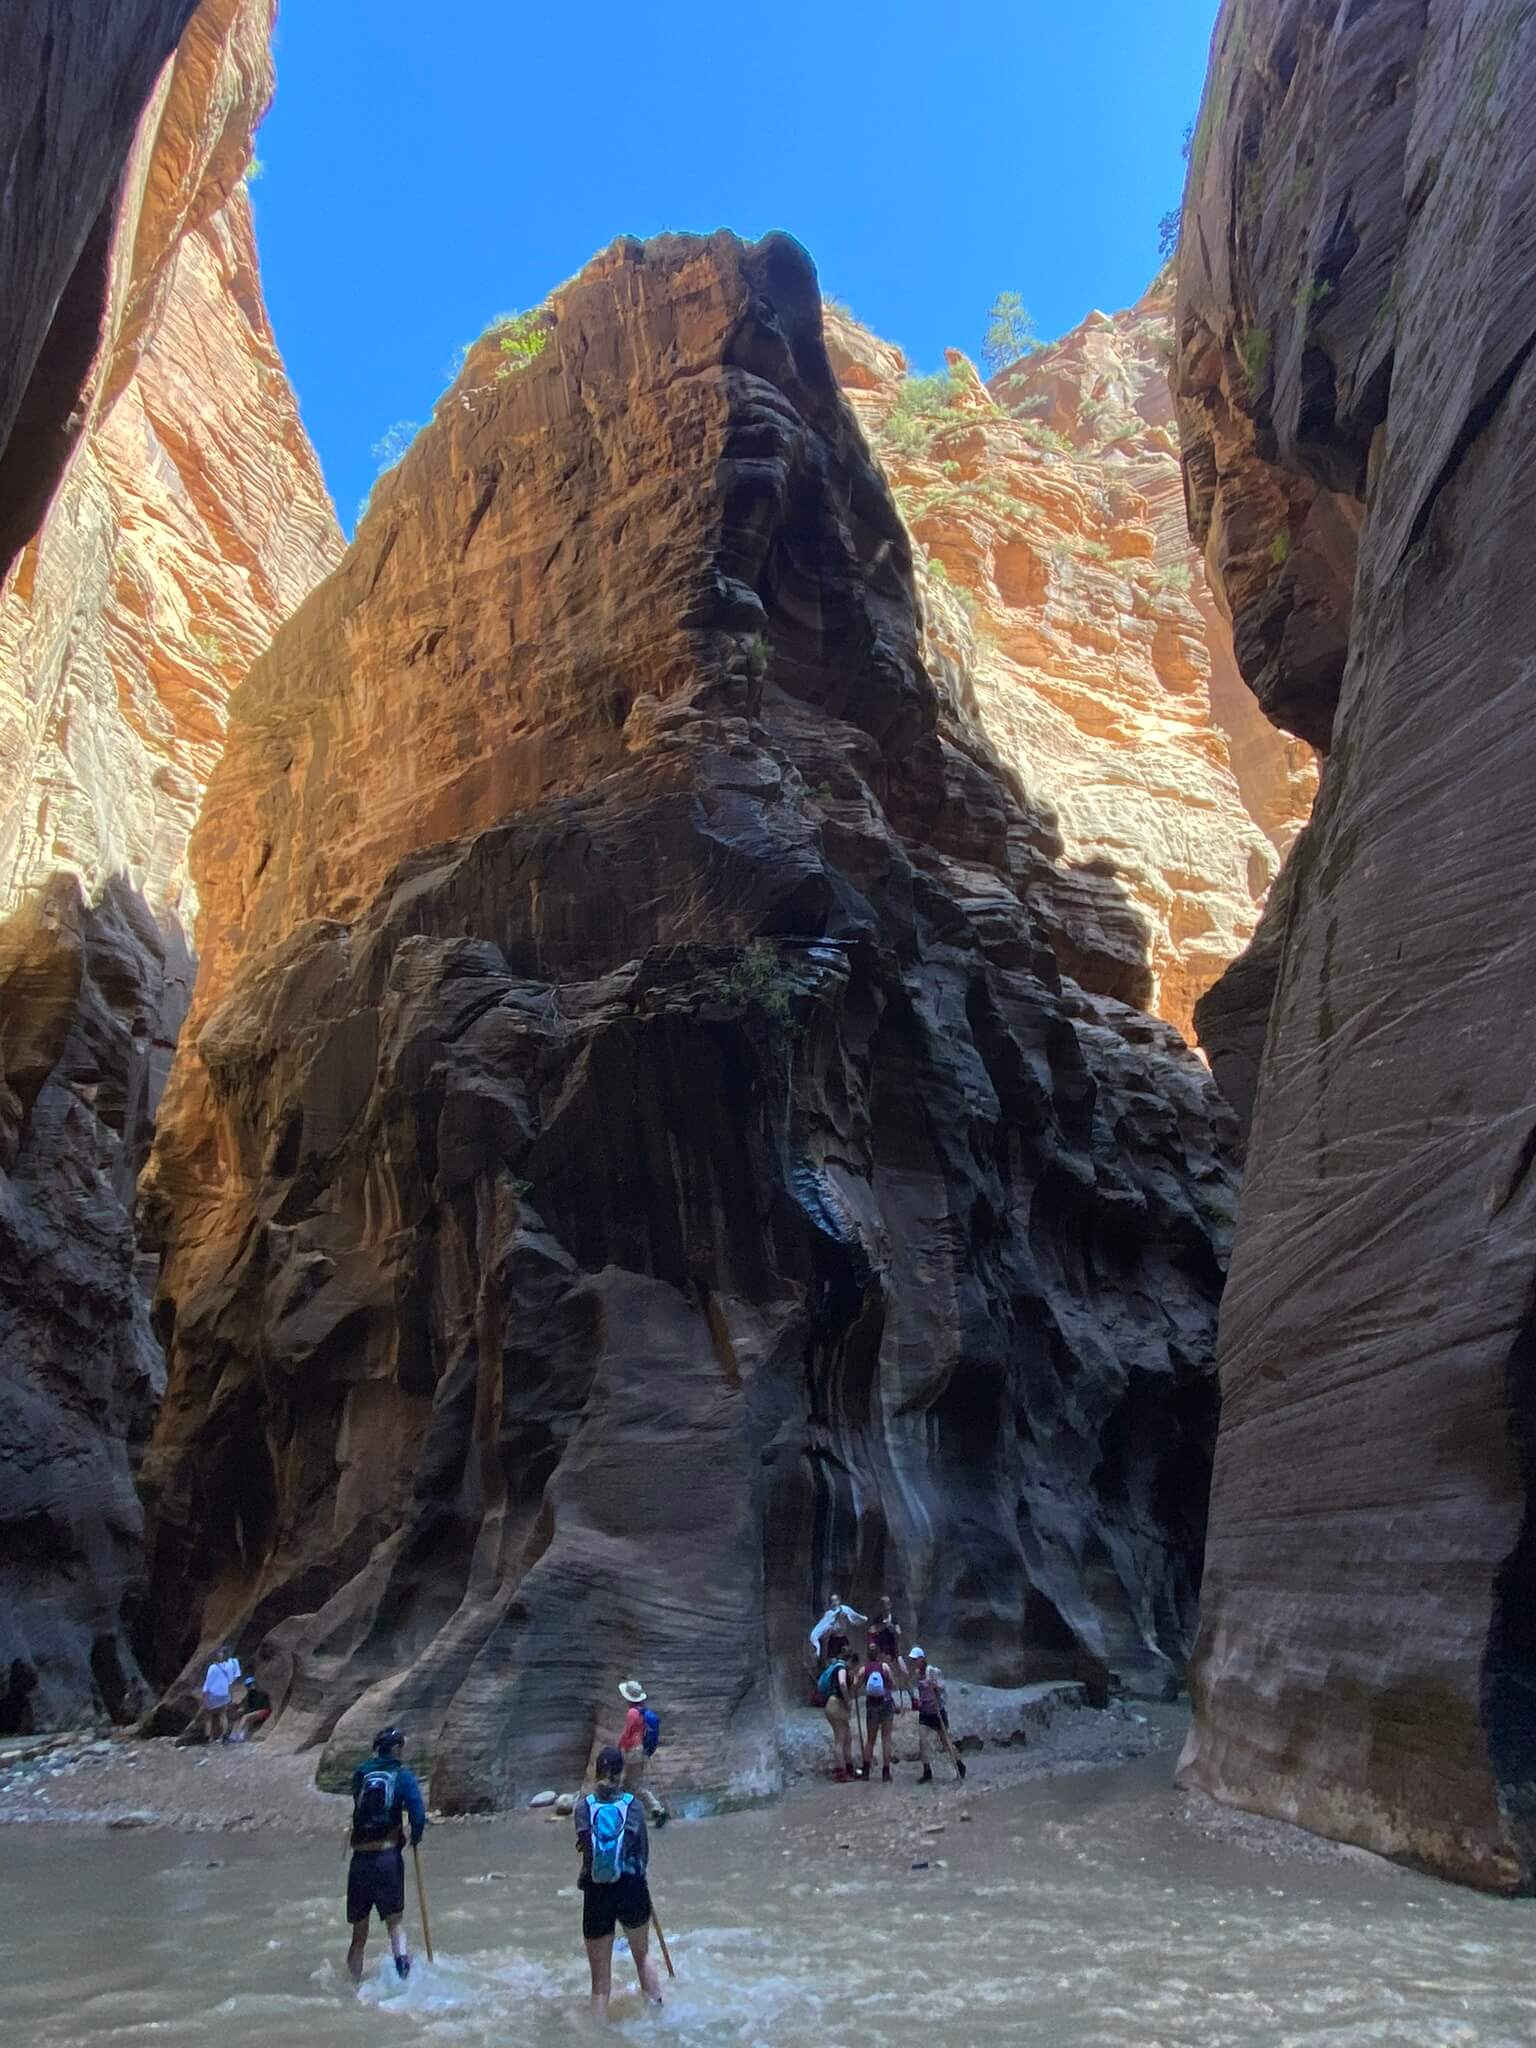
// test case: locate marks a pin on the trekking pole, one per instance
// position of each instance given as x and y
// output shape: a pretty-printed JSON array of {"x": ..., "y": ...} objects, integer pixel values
[
  {"x": 421, "y": 1900},
  {"x": 954, "y": 1754},
  {"x": 666, "y": 1953}
]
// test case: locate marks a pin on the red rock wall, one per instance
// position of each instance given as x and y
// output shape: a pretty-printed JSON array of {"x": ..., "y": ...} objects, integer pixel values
[
  {"x": 1057, "y": 572},
  {"x": 634, "y": 1161},
  {"x": 189, "y": 518},
  {"x": 1357, "y": 400}
]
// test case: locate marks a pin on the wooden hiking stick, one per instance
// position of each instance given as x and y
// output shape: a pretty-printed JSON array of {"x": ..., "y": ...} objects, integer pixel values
[
  {"x": 666, "y": 1953},
  {"x": 421, "y": 1900},
  {"x": 954, "y": 1754}
]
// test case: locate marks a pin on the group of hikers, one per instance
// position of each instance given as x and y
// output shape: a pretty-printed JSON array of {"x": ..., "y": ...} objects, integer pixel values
[
  {"x": 862, "y": 1688},
  {"x": 856, "y": 1686},
  {"x": 612, "y": 1841},
  {"x": 231, "y": 1706}
]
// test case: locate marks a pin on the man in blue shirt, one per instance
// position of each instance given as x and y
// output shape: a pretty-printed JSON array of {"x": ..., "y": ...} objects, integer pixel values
[{"x": 385, "y": 1797}]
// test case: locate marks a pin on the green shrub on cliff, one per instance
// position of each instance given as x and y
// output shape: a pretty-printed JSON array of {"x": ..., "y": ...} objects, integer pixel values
[
  {"x": 522, "y": 339},
  {"x": 923, "y": 405},
  {"x": 757, "y": 980}
]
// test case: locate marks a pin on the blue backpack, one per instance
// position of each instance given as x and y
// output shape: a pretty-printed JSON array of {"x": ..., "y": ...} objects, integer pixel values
[
  {"x": 652, "y": 1734},
  {"x": 607, "y": 1819},
  {"x": 376, "y": 1801},
  {"x": 828, "y": 1679}
]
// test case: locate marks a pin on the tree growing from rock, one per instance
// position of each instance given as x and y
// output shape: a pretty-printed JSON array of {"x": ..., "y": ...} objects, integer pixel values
[{"x": 1010, "y": 332}]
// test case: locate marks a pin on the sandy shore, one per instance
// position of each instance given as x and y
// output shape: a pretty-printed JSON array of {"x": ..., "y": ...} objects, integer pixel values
[{"x": 122, "y": 1781}]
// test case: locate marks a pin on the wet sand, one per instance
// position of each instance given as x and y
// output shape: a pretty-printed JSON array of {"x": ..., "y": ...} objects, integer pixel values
[{"x": 122, "y": 1782}]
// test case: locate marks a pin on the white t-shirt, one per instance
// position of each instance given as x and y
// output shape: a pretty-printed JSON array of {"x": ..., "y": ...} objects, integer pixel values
[{"x": 219, "y": 1679}]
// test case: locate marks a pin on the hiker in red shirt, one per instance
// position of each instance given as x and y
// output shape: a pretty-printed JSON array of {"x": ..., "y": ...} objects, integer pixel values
[{"x": 637, "y": 1745}]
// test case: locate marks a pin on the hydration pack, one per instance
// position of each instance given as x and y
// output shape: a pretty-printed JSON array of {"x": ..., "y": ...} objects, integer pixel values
[
  {"x": 652, "y": 1733},
  {"x": 373, "y": 1806},
  {"x": 826, "y": 1685},
  {"x": 874, "y": 1685},
  {"x": 606, "y": 1819}
]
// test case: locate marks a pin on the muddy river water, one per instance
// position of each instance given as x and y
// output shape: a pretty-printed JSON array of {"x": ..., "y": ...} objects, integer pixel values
[{"x": 1077, "y": 1910}]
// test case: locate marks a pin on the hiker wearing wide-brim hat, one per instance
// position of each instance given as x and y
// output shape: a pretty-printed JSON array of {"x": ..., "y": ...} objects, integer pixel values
[{"x": 637, "y": 1745}]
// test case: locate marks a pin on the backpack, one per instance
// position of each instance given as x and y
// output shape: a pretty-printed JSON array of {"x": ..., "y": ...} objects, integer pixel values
[
  {"x": 607, "y": 1819},
  {"x": 874, "y": 1685},
  {"x": 374, "y": 1802},
  {"x": 652, "y": 1734},
  {"x": 826, "y": 1685}
]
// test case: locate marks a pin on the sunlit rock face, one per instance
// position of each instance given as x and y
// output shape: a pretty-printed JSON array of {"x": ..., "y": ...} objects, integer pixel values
[
  {"x": 187, "y": 516},
  {"x": 1357, "y": 407},
  {"x": 1048, "y": 513},
  {"x": 634, "y": 1162}
]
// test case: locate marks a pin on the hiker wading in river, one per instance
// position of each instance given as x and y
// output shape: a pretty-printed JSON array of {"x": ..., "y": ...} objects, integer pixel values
[
  {"x": 385, "y": 1796},
  {"x": 637, "y": 1745},
  {"x": 615, "y": 1855}
]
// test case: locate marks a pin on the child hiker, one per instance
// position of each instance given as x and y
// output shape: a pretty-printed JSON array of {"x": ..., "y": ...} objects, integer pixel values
[{"x": 615, "y": 1855}]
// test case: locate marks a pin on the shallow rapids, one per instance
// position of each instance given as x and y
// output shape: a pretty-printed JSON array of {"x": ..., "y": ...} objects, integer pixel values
[{"x": 1075, "y": 1911}]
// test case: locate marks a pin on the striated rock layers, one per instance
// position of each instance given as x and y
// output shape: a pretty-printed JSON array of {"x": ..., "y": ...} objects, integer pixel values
[
  {"x": 1055, "y": 561},
  {"x": 190, "y": 518},
  {"x": 633, "y": 1163},
  {"x": 1359, "y": 408}
]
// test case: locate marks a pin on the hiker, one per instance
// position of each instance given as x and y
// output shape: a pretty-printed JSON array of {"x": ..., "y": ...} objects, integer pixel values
[
  {"x": 214, "y": 1701},
  {"x": 829, "y": 1638},
  {"x": 835, "y": 1689},
  {"x": 932, "y": 1716},
  {"x": 877, "y": 1682},
  {"x": 256, "y": 1712},
  {"x": 637, "y": 1745},
  {"x": 385, "y": 1795},
  {"x": 885, "y": 1633},
  {"x": 615, "y": 1854}
]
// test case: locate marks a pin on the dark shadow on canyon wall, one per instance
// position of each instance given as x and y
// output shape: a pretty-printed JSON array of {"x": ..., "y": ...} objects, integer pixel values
[
  {"x": 685, "y": 1181},
  {"x": 91, "y": 999}
]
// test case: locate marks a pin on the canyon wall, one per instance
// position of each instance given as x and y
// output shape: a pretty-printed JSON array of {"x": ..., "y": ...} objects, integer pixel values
[
  {"x": 187, "y": 516},
  {"x": 1056, "y": 566},
  {"x": 1358, "y": 406},
  {"x": 634, "y": 1162}
]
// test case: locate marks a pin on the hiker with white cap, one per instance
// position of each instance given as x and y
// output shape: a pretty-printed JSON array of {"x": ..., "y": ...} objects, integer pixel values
[
  {"x": 637, "y": 1745},
  {"x": 932, "y": 1716}
]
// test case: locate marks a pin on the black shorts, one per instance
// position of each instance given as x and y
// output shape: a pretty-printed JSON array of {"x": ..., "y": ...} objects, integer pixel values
[
  {"x": 376, "y": 1881},
  {"x": 604, "y": 1906},
  {"x": 879, "y": 1708},
  {"x": 931, "y": 1721}
]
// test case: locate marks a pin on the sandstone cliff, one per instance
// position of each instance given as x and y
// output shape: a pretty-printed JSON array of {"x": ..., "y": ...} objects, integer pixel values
[
  {"x": 1055, "y": 563},
  {"x": 189, "y": 519},
  {"x": 633, "y": 1162},
  {"x": 1358, "y": 409}
]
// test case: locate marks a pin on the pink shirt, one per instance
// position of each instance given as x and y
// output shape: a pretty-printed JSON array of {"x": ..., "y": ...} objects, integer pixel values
[{"x": 634, "y": 1730}]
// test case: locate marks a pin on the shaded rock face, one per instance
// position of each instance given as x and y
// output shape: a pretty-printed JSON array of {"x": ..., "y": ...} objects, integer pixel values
[
  {"x": 190, "y": 517},
  {"x": 633, "y": 1164},
  {"x": 1056, "y": 565},
  {"x": 76, "y": 79},
  {"x": 1355, "y": 316}
]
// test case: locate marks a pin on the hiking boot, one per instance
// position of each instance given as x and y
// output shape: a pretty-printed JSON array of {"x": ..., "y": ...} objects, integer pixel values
[
  {"x": 927, "y": 1777},
  {"x": 862, "y": 1771},
  {"x": 885, "y": 1773},
  {"x": 662, "y": 1818},
  {"x": 839, "y": 1776},
  {"x": 402, "y": 1967}
]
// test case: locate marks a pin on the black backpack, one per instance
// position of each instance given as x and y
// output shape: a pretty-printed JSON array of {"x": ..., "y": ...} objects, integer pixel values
[{"x": 375, "y": 1801}]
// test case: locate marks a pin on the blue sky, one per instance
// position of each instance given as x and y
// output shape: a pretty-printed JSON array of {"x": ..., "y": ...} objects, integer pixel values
[{"x": 429, "y": 166}]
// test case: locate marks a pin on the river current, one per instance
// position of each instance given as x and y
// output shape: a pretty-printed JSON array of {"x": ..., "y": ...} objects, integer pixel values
[{"x": 1075, "y": 1910}]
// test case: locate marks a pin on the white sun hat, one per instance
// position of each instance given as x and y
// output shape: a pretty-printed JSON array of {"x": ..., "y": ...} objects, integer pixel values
[{"x": 633, "y": 1691}]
